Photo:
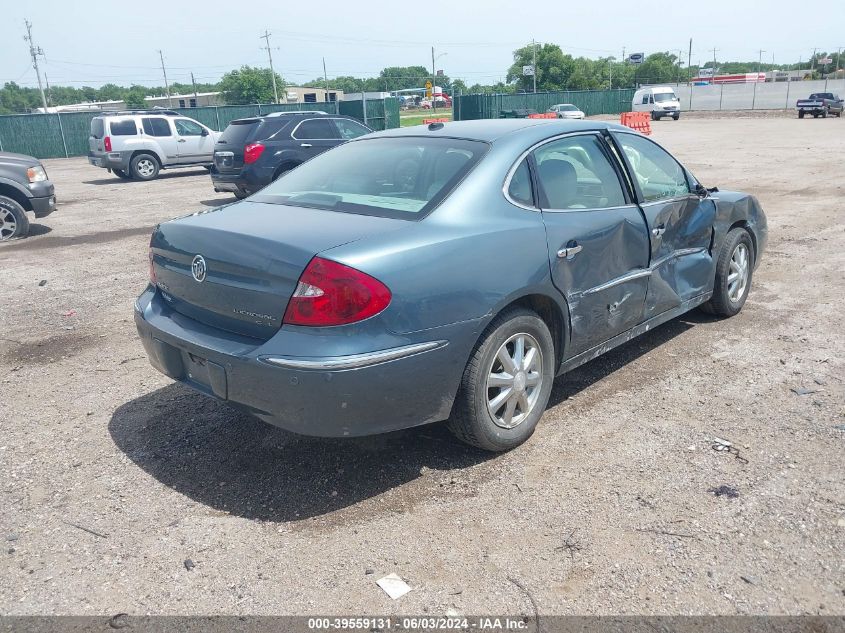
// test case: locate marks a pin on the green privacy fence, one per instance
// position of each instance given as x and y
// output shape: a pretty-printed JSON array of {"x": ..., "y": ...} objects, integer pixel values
[
  {"x": 66, "y": 134},
  {"x": 491, "y": 106}
]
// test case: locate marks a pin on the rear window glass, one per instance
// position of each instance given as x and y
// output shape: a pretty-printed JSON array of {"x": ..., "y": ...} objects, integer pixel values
[
  {"x": 123, "y": 128},
  {"x": 391, "y": 177},
  {"x": 237, "y": 133},
  {"x": 156, "y": 127},
  {"x": 97, "y": 128}
]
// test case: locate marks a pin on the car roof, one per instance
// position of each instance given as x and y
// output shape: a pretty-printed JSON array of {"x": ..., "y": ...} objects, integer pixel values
[{"x": 490, "y": 130}]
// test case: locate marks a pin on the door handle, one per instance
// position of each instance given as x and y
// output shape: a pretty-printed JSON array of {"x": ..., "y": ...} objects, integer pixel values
[
  {"x": 658, "y": 231},
  {"x": 305, "y": 145},
  {"x": 181, "y": 140},
  {"x": 569, "y": 252}
]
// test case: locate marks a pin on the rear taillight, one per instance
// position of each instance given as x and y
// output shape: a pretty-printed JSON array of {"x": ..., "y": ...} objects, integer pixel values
[
  {"x": 252, "y": 152},
  {"x": 107, "y": 143},
  {"x": 329, "y": 293},
  {"x": 153, "y": 278}
]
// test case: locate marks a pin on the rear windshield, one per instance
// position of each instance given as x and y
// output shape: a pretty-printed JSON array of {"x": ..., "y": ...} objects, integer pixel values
[
  {"x": 822, "y": 95},
  {"x": 123, "y": 128},
  {"x": 403, "y": 177},
  {"x": 665, "y": 96},
  {"x": 97, "y": 128},
  {"x": 237, "y": 133}
]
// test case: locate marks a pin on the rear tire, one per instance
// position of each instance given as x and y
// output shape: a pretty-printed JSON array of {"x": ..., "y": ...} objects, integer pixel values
[
  {"x": 13, "y": 220},
  {"x": 800, "y": 115},
  {"x": 735, "y": 258},
  {"x": 144, "y": 167},
  {"x": 121, "y": 174},
  {"x": 484, "y": 415}
]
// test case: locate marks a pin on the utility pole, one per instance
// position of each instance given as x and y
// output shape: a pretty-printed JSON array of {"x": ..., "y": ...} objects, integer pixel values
[
  {"x": 326, "y": 79},
  {"x": 194, "y": 84},
  {"x": 266, "y": 38},
  {"x": 757, "y": 79},
  {"x": 714, "y": 61},
  {"x": 34, "y": 52},
  {"x": 689, "y": 64},
  {"x": 166, "y": 85},
  {"x": 534, "y": 64},
  {"x": 433, "y": 82}
]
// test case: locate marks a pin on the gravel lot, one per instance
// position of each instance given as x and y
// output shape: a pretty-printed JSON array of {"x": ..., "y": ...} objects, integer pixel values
[{"x": 116, "y": 481}]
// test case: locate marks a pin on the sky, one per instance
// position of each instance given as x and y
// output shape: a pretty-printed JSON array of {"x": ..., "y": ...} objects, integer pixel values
[{"x": 93, "y": 43}]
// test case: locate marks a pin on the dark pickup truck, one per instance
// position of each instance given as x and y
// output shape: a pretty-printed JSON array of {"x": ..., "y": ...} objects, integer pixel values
[
  {"x": 820, "y": 104},
  {"x": 24, "y": 186}
]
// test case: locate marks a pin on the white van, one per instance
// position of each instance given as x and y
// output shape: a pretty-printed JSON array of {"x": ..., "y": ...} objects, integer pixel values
[{"x": 659, "y": 100}]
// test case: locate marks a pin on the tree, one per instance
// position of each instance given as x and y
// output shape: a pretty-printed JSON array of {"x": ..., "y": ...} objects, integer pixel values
[
  {"x": 249, "y": 85},
  {"x": 135, "y": 97},
  {"x": 658, "y": 68},
  {"x": 553, "y": 68}
]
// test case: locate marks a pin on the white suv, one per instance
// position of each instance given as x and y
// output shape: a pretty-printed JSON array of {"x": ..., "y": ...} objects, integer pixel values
[{"x": 138, "y": 143}]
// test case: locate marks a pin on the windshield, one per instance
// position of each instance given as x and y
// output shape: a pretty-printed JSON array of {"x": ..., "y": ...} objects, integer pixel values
[
  {"x": 401, "y": 177},
  {"x": 567, "y": 108},
  {"x": 665, "y": 96}
]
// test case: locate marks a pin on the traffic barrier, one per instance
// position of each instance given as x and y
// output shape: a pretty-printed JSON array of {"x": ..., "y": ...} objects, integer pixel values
[
  {"x": 543, "y": 115},
  {"x": 639, "y": 121},
  {"x": 430, "y": 121}
]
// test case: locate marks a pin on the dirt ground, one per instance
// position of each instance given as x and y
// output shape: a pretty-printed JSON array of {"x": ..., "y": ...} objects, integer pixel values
[{"x": 125, "y": 492}]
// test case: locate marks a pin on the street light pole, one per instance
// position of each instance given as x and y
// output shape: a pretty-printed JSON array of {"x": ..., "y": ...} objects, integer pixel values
[{"x": 534, "y": 64}]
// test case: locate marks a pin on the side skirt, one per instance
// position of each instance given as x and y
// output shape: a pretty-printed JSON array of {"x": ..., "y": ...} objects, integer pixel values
[{"x": 642, "y": 328}]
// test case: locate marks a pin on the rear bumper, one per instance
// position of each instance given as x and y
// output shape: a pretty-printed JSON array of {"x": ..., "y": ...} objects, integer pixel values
[
  {"x": 247, "y": 180},
  {"x": 110, "y": 160},
  {"x": 406, "y": 384}
]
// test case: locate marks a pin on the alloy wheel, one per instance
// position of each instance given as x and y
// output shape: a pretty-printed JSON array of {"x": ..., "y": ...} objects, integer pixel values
[
  {"x": 8, "y": 224},
  {"x": 738, "y": 273},
  {"x": 145, "y": 167},
  {"x": 514, "y": 380}
]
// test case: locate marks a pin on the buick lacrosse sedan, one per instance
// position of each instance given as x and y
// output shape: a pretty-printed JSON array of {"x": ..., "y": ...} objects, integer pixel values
[{"x": 446, "y": 272}]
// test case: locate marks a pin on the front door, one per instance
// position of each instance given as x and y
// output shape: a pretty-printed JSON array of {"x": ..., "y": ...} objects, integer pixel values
[
  {"x": 680, "y": 224},
  {"x": 195, "y": 144},
  {"x": 597, "y": 239},
  {"x": 162, "y": 129}
]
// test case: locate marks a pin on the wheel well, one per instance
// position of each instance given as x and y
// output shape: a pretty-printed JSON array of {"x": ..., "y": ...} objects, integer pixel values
[
  {"x": 550, "y": 312},
  {"x": 145, "y": 151},
  {"x": 286, "y": 165},
  {"x": 17, "y": 196},
  {"x": 743, "y": 224}
]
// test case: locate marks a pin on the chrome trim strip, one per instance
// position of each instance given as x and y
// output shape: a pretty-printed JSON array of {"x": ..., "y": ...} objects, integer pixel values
[
  {"x": 637, "y": 274},
  {"x": 353, "y": 361}
]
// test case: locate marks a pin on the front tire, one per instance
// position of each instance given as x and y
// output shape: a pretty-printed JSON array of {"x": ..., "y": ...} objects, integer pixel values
[
  {"x": 800, "y": 115},
  {"x": 144, "y": 167},
  {"x": 676, "y": 116},
  {"x": 506, "y": 384},
  {"x": 734, "y": 270},
  {"x": 13, "y": 220}
]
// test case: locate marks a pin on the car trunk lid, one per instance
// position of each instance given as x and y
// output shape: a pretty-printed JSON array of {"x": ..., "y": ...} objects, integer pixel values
[{"x": 252, "y": 256}]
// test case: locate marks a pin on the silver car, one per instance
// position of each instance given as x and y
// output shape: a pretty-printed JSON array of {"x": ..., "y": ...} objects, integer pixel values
[{"x": 567, "y": 111}]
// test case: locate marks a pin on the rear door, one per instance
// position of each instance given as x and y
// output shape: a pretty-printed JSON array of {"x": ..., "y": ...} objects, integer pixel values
[
  {"x": 97, "y": 134},
  {"x": 680, "y": 224},
  {"x": 315, "y": 136},
  {"x": 597, "y": 239},
  {"x": 195, "y": 143},
  {"x": 161, "y": 129}
]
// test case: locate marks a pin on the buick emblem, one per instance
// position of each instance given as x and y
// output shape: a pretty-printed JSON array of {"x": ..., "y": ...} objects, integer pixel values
[{"x": 198, "y": 268}]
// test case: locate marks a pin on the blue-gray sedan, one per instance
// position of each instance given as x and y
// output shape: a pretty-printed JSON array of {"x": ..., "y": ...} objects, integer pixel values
[{"x": 446, "y": 272}]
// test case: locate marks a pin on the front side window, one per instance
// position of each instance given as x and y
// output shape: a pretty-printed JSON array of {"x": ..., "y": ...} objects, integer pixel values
[
  {"x": 658, "y": 174},
  {"x": 575, "y": 173},
  {"x": 389, "y": 177},
  {"x": 316, "y": 129},
  {"x": 186, "y": 127},
  {"x": 123, "y": 128},
  {"x": 350, "y": 129},
  {"x": 156, "y": 126}
]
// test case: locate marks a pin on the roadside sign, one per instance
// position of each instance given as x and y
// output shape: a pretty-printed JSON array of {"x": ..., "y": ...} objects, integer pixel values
[
  {"x": 440, "y": 73},
  {"x": 824, "y": 61},
  {"x": 636, "y": 58},
  {"x": 428, "y": 90},
  {"x": 528, "y": 71}
]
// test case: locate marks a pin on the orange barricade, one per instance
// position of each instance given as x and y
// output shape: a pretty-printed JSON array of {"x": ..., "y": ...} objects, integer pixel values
[
  {"x": 639, "y": 121},
  {"x": 429, "y": 121},
  {"x": 543, "y": 115}
]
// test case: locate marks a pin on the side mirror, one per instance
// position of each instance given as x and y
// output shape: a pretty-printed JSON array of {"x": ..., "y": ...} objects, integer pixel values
[
  {"x": 701, "y": 190},
  {"x": 204, "y": 132}
]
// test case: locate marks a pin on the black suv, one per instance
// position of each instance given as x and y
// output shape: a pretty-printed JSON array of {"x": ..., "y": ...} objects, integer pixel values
[{"x": 253, "y": 152}]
